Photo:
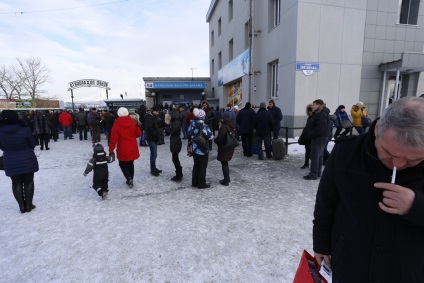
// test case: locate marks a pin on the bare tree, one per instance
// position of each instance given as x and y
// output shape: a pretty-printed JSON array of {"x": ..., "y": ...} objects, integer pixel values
[
  {"x": 10, "y": 82},
  {"x": 33, "y": 74}
]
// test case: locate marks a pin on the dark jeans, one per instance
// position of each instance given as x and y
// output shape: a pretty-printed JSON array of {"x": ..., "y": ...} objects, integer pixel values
[
  {"x": 360, "y": 130},
  {"x": 143, "y": 139},
  {"x": 246, "y": 142},
  {"x": 198, "y": 178},
  {"x": 268, "y": 148},
  {"x": 307, "y": 153},
  {"x": 127, "y": 168},
  {"x": 82, "y": 130},
  {"x": 67, "y": 132},
  {"x": 153, "y": 146},
  {"x": 317, "y": 152},
  {"x": 184, "y": 130}
]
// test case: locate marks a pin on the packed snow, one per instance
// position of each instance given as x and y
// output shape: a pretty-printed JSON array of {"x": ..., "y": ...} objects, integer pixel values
[{"x": 160, "y": 231}]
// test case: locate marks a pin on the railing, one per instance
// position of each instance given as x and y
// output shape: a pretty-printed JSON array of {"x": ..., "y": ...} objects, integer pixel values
[{"x": 287, "y": 143}]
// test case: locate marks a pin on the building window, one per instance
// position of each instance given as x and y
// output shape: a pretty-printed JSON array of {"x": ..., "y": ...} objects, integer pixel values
[
  {"x": 219, "y": 61},
  {"x": 230, "y": 50},
  {"x": 408, "y": 11},
  {"x": 276, "y": 4},
  {"x": 212, "y": 38},
  {"x": 213, "y": 66},
  {"x": 219, "y": 27},
  {"x": 246, "y": 35},
  {"x": 274, "y": 79},
  {"x": 230, "y": 10}
]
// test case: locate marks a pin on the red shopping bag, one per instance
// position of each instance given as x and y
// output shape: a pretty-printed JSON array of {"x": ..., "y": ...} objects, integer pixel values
[{"x": 308, "y": 270}]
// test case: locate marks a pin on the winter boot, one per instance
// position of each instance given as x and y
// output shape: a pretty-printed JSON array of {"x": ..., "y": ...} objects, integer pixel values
[
  {"x": 29, "y": 194},
  {"x": 178, "y": 175},
  {"x": 226, "y": 172},
  {"x": 17, "y": 193},
  {"x": 130, "y": 183}
]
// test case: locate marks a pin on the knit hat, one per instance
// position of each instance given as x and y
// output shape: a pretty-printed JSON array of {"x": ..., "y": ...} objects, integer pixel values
[
  {"x": 359, "y": 104},
  {"x": 98, "y": 148},
  {"x": 262, "y": 105},
  {"x": 235, "y": 107},
  {"x": 195, "y": 112},
  {"x": 199, "y": 113},
  {"x": 9, "y": 114},
  {"x": 248, "y": 105},
  {"x": 123, "y": 112},
  {"x": 341, "y": 107}
]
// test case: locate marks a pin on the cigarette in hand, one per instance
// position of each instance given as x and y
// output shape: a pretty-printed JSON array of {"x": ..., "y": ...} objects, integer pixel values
[{"x": 394, "y": 175}]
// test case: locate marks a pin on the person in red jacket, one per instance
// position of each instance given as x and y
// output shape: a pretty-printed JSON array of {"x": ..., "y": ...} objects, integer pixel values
[
  {"x": 66, "y": 120},
  {"x": 124, "y": 138}
]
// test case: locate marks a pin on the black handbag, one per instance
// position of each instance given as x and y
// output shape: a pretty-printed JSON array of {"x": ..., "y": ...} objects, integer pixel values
[
  {"x": 346, "y": 124},
  {"x": 366, "y": 122},
  {"x": 302, "y": 140},
  {"x": 1, "y": 163},
  {"x": 230, "y": 141}
]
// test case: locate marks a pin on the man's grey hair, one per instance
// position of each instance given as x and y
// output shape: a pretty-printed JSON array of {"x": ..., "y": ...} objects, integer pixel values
[{"x": 406, "y": 117}]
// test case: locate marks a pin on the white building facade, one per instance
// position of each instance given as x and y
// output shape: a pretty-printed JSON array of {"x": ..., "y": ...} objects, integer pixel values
[{"x": 296, "y": 51}]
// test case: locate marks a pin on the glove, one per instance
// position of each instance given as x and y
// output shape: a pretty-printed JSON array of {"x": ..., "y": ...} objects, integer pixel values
[
  {"x": 85, "y": 175},
  {"x": 112, "y": 156}
]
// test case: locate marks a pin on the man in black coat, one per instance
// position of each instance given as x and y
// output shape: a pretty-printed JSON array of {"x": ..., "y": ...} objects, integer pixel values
[
  {"x": 316, "y": 132},
  {"x": 152, "y": 137},
  {"x": 245, "y": 123},
  {"x": 369, "y": 218},
  {"x": 277, "y": 117},
  {"x": 263, "y": 125}
]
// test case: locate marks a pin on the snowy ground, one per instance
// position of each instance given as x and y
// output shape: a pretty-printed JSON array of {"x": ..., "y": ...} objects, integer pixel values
[{"x": 160, "y": 231}]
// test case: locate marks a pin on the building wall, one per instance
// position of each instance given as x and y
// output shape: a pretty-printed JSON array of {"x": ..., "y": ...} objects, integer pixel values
[
  {"x": 349, "y": 39},
  {"x": 384, "y": 41}
]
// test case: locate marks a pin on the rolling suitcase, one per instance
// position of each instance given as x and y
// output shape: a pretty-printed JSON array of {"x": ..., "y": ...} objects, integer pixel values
[{"x": 278, "y": 149}]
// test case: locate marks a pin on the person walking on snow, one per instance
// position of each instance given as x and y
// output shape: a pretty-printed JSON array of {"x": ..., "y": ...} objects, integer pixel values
[
  {"x": 98, "y": 163},
  {"x": 124, "y": 138}
]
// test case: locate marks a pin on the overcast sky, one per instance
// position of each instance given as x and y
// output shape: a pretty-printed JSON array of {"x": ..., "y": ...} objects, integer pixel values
[{"x": 116, "y": 41}]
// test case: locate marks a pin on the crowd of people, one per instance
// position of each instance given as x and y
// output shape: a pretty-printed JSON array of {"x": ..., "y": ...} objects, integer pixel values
[{"x": 368, "y": 222}]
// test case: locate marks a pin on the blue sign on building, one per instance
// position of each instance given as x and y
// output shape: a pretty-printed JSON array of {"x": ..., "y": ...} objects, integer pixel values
[
  {"x": 176, "y": 85},
  {"x": 307, "y": 66}
]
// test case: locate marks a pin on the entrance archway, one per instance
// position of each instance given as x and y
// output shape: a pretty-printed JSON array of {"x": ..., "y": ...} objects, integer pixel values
[{"x": 87, "y": 83}]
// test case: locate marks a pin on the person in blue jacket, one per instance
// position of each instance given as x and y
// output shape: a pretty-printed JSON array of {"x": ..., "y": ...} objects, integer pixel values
[
  {"x": 200, "y": 151},
  {"x": 20, "y": 163}
]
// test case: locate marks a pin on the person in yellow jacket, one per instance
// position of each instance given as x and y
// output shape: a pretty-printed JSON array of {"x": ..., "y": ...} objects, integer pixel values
[{"x": 357, "y": 112}]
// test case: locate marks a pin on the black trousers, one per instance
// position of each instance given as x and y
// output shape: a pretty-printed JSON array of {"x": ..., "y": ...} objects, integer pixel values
[
  {"x": 127, "y": 168},
  {"x": 246, "y": 142},
  {"x": 44, "y": 140},
  {"x": 82, "y": 129},
  {"x": 198, "y": 178},
  {"x": 176, "y": 160}
]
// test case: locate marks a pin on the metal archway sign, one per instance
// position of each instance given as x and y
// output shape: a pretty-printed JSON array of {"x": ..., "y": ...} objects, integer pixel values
[{"x": 87, "y": 83}]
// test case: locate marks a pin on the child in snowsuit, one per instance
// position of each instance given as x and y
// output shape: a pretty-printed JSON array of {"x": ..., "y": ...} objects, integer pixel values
[{"x": 98, "y": 163}]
